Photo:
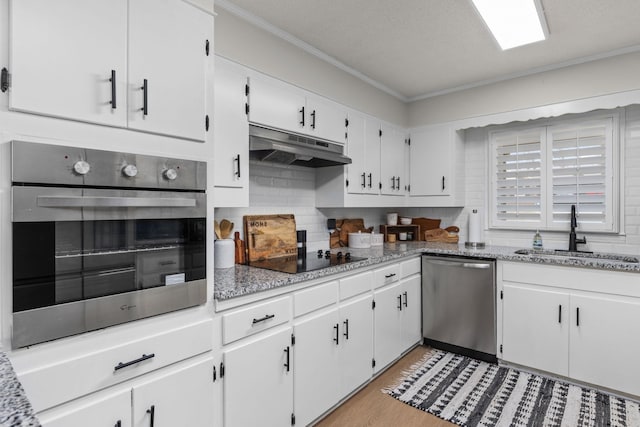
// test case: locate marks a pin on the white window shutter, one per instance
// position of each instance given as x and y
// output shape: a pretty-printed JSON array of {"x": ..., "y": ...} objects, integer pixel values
[
  {"x": 517, "y": 163},
  {"x": 581, "y": 166}
]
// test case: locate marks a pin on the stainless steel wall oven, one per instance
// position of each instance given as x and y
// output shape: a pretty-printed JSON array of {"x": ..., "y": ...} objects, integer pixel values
[{"x": 102, "y": 238}]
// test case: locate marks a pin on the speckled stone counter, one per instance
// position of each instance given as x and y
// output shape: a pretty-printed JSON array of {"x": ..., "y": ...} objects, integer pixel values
[
  {"x": 15, "y": 409},
  {"x": 243, "y": 280}
]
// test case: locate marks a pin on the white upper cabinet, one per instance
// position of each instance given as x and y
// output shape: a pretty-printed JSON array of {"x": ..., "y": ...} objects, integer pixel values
[
  {"x": 372, "y": 155},
  {"x": 231, "y": 136},
  {"x": 363, "y": 147},
  {"x": 392, "y": 147},
  {"x": 87, "y": 60},
  {"x": 168, "y": 66},
  {"x": 437, "y": 166},
  {"x": 63, "y": 55},
  {"x": 279, "y": 105}
]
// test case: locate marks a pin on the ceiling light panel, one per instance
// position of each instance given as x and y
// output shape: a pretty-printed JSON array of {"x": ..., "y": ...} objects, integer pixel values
[{"x": 513, "y": 22}]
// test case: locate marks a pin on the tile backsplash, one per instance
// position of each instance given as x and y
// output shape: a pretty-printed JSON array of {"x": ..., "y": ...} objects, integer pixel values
[{"x": 277, "y": 189}]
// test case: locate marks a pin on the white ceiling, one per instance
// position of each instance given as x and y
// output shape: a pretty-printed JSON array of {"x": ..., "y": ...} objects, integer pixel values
[{"x": 419, "y": 48}]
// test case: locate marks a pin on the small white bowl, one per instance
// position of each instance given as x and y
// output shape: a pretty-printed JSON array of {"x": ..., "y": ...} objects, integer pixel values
[{"x": 405, "y": 221}]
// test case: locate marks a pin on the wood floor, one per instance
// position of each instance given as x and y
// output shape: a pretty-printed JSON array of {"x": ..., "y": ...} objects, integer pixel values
[{"x": 371, "y": 407}]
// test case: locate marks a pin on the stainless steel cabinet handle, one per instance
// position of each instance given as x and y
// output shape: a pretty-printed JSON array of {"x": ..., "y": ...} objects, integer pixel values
[{"x": 113, "y": 202}]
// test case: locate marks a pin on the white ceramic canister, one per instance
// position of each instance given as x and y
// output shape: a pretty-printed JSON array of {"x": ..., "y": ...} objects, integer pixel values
[
  {"x": 392, "y": 218},
  {"x": 359, "y": 240},
  {"x": 377, "y": 239},
  {"x": 224, "y": 253}
]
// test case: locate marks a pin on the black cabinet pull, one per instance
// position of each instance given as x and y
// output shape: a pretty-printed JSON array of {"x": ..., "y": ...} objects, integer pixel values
[
  {"x": 398, "y": 184},
  {"x": 443, "y": 183},
  {"x": 388, "y": 276},
  {"x": 113, "y": 89},
  {"x": 577, "y": 316},
  {"x": 262, "y": 319},
  {"x": 393, "y": 181},
  {"x": 152, "y": 415},
  {"x": 560, "y": 313},
  {"x": 286, "y": 364},
  {"x": 364, "y": 183},
  {"x": 145, "y": 93},
  {"x": 118, "y": 424},
  {"x": 336, "y": 327},
  {"x": 237, "y": 160},
  {"x": 313, "y": 119},
  {"x": 400, "y": 302},
  {"x": 346, "y": 329},
  {"x": 302, "y": 111},
  {"x": 215, "y": 374},
  {"x": 405, "y": 298},
  {"x": 133, "y": 362},
  {"x": 370, "y": 180}
]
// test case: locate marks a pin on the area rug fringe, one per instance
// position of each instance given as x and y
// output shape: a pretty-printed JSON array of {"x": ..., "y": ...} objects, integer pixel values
[
  {"x": 471, "y": 393},
  {"x": 402, "y": 377}
]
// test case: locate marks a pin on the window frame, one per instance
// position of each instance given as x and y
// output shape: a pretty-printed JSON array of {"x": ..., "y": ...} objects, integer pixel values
[{"x": 614, "y": 172}]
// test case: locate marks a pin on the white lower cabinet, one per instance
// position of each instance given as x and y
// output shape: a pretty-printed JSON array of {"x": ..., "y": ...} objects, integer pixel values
[
  {"x": 536, "y": 328},
  {"x": 578, "y": 323},
  {"x": 258, "y": 381},
  {"x": 177, "y": 396},
  {"x": 397, "y": 320},
  {"x": 333, "y": 351}
]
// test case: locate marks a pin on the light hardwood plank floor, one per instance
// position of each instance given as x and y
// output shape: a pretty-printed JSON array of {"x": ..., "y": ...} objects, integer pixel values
[{"x": 372, "y": 408}]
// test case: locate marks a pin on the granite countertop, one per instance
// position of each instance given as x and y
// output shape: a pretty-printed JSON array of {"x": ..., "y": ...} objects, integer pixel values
[
  {"x": 243, "y": 280},
  {"x": 15, "y": 409}
]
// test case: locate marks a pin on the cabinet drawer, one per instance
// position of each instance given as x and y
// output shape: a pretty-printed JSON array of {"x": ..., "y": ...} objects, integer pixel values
[
  {"x": 410, "y": 267},
  {"x": 314, "y": 298},
  {"x": 61, "y": 381},
  {"x": 386, "y": 275},
  {"x": 255, "y": 318},
  {"x": 355, "y": 285}
]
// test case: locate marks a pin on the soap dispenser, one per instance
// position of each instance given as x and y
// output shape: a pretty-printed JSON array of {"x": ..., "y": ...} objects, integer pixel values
[{"x": 537, "y": 241}]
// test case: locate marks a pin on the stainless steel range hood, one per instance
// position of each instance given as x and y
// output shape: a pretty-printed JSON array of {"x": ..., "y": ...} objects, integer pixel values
[{"x": 274, "y": 146}]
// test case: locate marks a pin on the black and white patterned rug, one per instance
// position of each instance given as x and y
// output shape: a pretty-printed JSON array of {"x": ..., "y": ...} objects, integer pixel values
[{"x": 470, "y": 392}]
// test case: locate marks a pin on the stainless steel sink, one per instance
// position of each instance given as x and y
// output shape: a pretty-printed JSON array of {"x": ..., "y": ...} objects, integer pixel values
[{"x": 592, "y": 256}]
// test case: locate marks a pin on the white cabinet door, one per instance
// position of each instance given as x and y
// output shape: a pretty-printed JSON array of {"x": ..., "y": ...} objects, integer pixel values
[
  {"x": 535, "y": 329},
  {"x": 327, "y": 119},
  {"x": 357, "y": 343},
  {"x": 317, "y": 372},
  {"x": 62, "y": 56},
  {"x": 182, "y": 397},
  {"x": 392, "y": 147},
  {"x": 431, "y": 161},
  {"x": 411, "y": 311},
  {"x": 107, "y": 410},
  {"x": 604, "y": 341},
  {"x": 356, "y": 151},
  {"x": 388, "y": 321},
  {"x": 167, "y": 40},
  {"x": 372, "y": 156},
  {"x": 258, "y": 381},
  {"x": 231, "y": 136},
  {"x": 276, "y": 104}
]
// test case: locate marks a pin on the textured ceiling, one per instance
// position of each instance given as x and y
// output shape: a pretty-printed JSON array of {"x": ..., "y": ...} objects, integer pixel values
[{"x": 418, "y": 48}]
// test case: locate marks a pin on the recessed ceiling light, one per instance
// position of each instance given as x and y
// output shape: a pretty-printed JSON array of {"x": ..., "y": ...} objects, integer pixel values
[{"x": 513, "y": 22}]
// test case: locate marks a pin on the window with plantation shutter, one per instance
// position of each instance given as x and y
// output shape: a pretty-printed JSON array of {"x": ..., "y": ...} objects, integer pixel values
[
  {"x": 539, "y": 172},
  {"x": 519, "y": 177},
  {"x": 581, "y": 166}
]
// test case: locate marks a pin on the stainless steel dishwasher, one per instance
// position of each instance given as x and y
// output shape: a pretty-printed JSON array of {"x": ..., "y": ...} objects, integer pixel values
[{"x": 459, "y": 305}]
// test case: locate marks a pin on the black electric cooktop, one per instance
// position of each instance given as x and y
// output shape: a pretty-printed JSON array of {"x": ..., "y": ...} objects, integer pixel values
[{"x": 305, "y": 262}]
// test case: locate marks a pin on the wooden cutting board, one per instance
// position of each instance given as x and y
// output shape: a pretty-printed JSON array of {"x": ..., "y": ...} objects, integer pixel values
[{"x": 270, "y": 236}]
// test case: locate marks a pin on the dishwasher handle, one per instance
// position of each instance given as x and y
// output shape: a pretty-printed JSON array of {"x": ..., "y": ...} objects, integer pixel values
[{"x": 477, "y": 265}]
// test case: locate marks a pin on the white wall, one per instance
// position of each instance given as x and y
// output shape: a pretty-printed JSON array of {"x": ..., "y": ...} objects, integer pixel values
[
  {"x": 278, "y": 189},
  {"x": 242, "y": 42},
  {"x": 477, "y": 187},
  {"x": 606, "y": 76}
]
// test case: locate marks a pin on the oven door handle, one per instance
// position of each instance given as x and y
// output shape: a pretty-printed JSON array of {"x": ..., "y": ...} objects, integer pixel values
[{"x": 113, "y": 202}]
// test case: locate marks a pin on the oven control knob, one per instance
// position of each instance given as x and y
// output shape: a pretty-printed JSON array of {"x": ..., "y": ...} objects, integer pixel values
[
  {"x": 170, "y": 174},
  {"x": 81, "y": 167},
  {"x": 130, "y": 171}
]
